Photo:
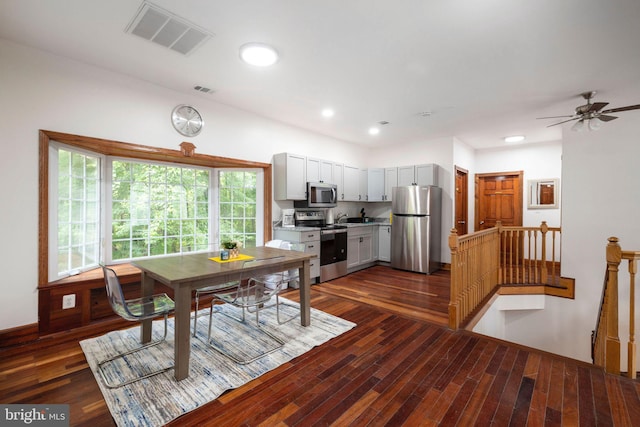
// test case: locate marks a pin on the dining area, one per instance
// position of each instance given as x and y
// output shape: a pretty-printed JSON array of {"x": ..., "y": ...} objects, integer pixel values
[
  {"x": 150, "y": 377},
  {"x": 187, "y": 273}
]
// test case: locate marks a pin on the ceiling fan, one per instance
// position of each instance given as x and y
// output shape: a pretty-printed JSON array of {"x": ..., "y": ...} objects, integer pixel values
[{"x": 591, "y": 114}]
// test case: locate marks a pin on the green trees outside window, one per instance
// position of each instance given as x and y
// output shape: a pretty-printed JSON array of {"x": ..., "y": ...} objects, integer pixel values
[{"x": 158, "y": 209}]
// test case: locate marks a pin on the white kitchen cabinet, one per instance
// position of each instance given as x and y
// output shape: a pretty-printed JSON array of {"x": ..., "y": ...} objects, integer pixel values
[
  {"x": 390, "y": 181},
  {"x": 319, "y": 170},
  {"x": 359, "y": 246},
  {"x": 311, "y": 239},
  {"x": 351, "y": 184},
  {"x": 375, "y": 185},
  {"x": 384, "y": 243},
  {"x": 426, "y": 174},
  {"x": 290, "y": 176},
  {"x": 338, "y": 177},
  {"x": 363, "y": 185}
]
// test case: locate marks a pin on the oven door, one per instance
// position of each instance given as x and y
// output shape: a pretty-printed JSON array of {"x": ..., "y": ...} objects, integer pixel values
[{"x": 333, "y": 246}]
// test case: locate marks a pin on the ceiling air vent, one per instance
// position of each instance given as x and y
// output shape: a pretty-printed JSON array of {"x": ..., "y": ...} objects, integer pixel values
[
  {"x": 203, "y": 89},
  {"x": 166, "y": 29}
]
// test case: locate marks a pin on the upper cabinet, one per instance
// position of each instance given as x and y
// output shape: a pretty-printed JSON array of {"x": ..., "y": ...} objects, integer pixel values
[
  {"x": 390, "y": 181},
  {"x": 293, "y": 171},
  {"x": 351, "y": 184},
  {"x": 375, "y": 185},
  {"x": 319, "y": 170},
  {"x": 363, "y": 184},
  {"x": 426, "y": 174},
  {"x": 290, "y": 176}
]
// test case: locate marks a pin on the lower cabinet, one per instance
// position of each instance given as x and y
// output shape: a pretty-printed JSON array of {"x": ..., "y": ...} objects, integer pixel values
[
  {"x": 360, "y": 251},
  {"x": 384, "y": 243},
  {"x": 311, "y": 239}
]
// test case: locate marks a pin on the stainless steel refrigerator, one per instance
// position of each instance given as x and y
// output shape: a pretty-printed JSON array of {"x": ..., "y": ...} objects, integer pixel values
[{"x": 415, "y": 228}]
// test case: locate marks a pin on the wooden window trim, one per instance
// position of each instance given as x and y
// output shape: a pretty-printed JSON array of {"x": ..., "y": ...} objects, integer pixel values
[{"x": 132, "y": 151}]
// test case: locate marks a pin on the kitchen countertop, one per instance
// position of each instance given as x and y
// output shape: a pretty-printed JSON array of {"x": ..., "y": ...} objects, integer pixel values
[{"x": 348, "y": 225}]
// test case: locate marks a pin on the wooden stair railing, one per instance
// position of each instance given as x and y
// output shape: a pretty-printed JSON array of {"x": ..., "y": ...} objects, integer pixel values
[
  {"x": 605, "y": 344},
  {"x": 530, "y": 255},
  {"x": 474, "y": 272},
  {"x": 484, "y": 261}
]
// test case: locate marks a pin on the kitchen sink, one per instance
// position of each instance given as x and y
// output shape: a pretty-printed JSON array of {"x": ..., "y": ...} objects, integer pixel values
[{"x": 359, "y": 220}]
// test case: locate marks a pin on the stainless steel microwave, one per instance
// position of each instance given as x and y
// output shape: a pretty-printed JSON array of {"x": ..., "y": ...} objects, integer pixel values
[{"x": 319, "y": 195}]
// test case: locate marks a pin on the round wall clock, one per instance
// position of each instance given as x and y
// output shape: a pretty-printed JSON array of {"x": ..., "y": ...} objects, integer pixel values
[{"x": 187, "y": 120}]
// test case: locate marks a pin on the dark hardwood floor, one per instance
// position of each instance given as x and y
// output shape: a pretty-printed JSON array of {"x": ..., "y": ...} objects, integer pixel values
[{"x": 399, "y": 366}]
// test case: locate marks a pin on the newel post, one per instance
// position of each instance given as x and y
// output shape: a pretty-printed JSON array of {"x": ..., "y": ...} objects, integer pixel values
[
  {"x": 612, "y": 343},
  {"x": 543, "y": 272},
  {"x": 631, "y": 345},
  {"x": 455, "y": 283}
]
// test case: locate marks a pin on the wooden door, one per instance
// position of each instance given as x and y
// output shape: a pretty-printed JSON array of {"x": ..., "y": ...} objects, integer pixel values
[
  {"x": 462, "y": 191},
  {"x": 498, "y": 198}
]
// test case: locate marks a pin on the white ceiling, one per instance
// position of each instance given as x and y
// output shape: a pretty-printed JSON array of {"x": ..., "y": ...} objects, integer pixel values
[{"x": 484, "y": 69}]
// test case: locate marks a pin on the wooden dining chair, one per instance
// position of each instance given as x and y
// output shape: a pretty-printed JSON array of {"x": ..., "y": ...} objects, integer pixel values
[{"x": 134, "y": 310}]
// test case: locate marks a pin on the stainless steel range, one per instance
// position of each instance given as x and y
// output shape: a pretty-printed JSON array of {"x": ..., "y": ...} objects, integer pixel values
[{"x": 333, "y": 243}]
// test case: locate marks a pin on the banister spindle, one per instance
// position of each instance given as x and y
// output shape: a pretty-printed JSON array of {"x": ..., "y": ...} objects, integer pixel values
[{"x": 543, "y": 272}]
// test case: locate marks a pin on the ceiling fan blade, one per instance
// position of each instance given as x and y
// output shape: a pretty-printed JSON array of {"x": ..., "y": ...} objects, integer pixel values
[
  {"x": 554, "y": 117},
  {"x": 606, "y": 118},
  {"x": 615, "y": 110},
  {"x": 597, "y": 106},
  {"x": 565, "y": 121}
]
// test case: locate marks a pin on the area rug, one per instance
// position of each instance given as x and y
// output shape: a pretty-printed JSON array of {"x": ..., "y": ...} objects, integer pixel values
[{"x": 159, "y": 399}]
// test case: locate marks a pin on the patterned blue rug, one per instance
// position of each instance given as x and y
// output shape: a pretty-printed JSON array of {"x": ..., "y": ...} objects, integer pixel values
[{"x": 159, "y": 399}]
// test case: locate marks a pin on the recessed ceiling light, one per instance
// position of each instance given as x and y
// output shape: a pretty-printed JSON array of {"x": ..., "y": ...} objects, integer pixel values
[
  {"x": 374, "y": 131},
  {"x": 515, "y": 138},
  {"x": 328, "y": 112},
  {"x": 258, "y": 54}
]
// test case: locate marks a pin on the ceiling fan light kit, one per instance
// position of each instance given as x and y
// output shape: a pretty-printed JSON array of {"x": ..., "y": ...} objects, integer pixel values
[{"x": 591, "y": 113}]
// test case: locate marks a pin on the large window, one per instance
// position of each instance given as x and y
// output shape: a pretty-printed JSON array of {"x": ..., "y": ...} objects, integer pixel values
[{"x": 109, "y": 209}]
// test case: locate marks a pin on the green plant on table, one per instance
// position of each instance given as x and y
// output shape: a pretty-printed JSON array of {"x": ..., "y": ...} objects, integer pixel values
[{"x": 232, "y": 244}]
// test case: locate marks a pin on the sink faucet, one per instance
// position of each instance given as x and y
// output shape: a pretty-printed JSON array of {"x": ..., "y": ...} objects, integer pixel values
[{"x": 340, "y": 216}]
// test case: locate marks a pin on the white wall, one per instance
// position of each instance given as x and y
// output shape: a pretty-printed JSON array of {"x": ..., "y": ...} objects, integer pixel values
[
  {"x": 504, "y": 313},
  {"x": 41, "y": 91},
  {"x": 600, "y": 191}
]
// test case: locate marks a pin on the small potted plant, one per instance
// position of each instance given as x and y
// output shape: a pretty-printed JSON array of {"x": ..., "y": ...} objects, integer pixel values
[{"x": 233, "y": 246}]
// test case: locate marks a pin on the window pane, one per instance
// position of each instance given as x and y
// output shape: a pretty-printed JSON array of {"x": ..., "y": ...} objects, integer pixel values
[
  {"x": 238, "y": 210},
  {"x": 120, "y": 249},
  {"x": 162, "y": 205},
  {"x": 78, "y": 212},
  {"x": 237, "y": 206}
]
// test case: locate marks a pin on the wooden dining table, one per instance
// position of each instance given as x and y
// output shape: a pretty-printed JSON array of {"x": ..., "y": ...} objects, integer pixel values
[{"x": 188, "y": 272}]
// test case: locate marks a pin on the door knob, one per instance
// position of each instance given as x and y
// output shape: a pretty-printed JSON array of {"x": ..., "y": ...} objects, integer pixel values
[{"x": 481, "y": 222}]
